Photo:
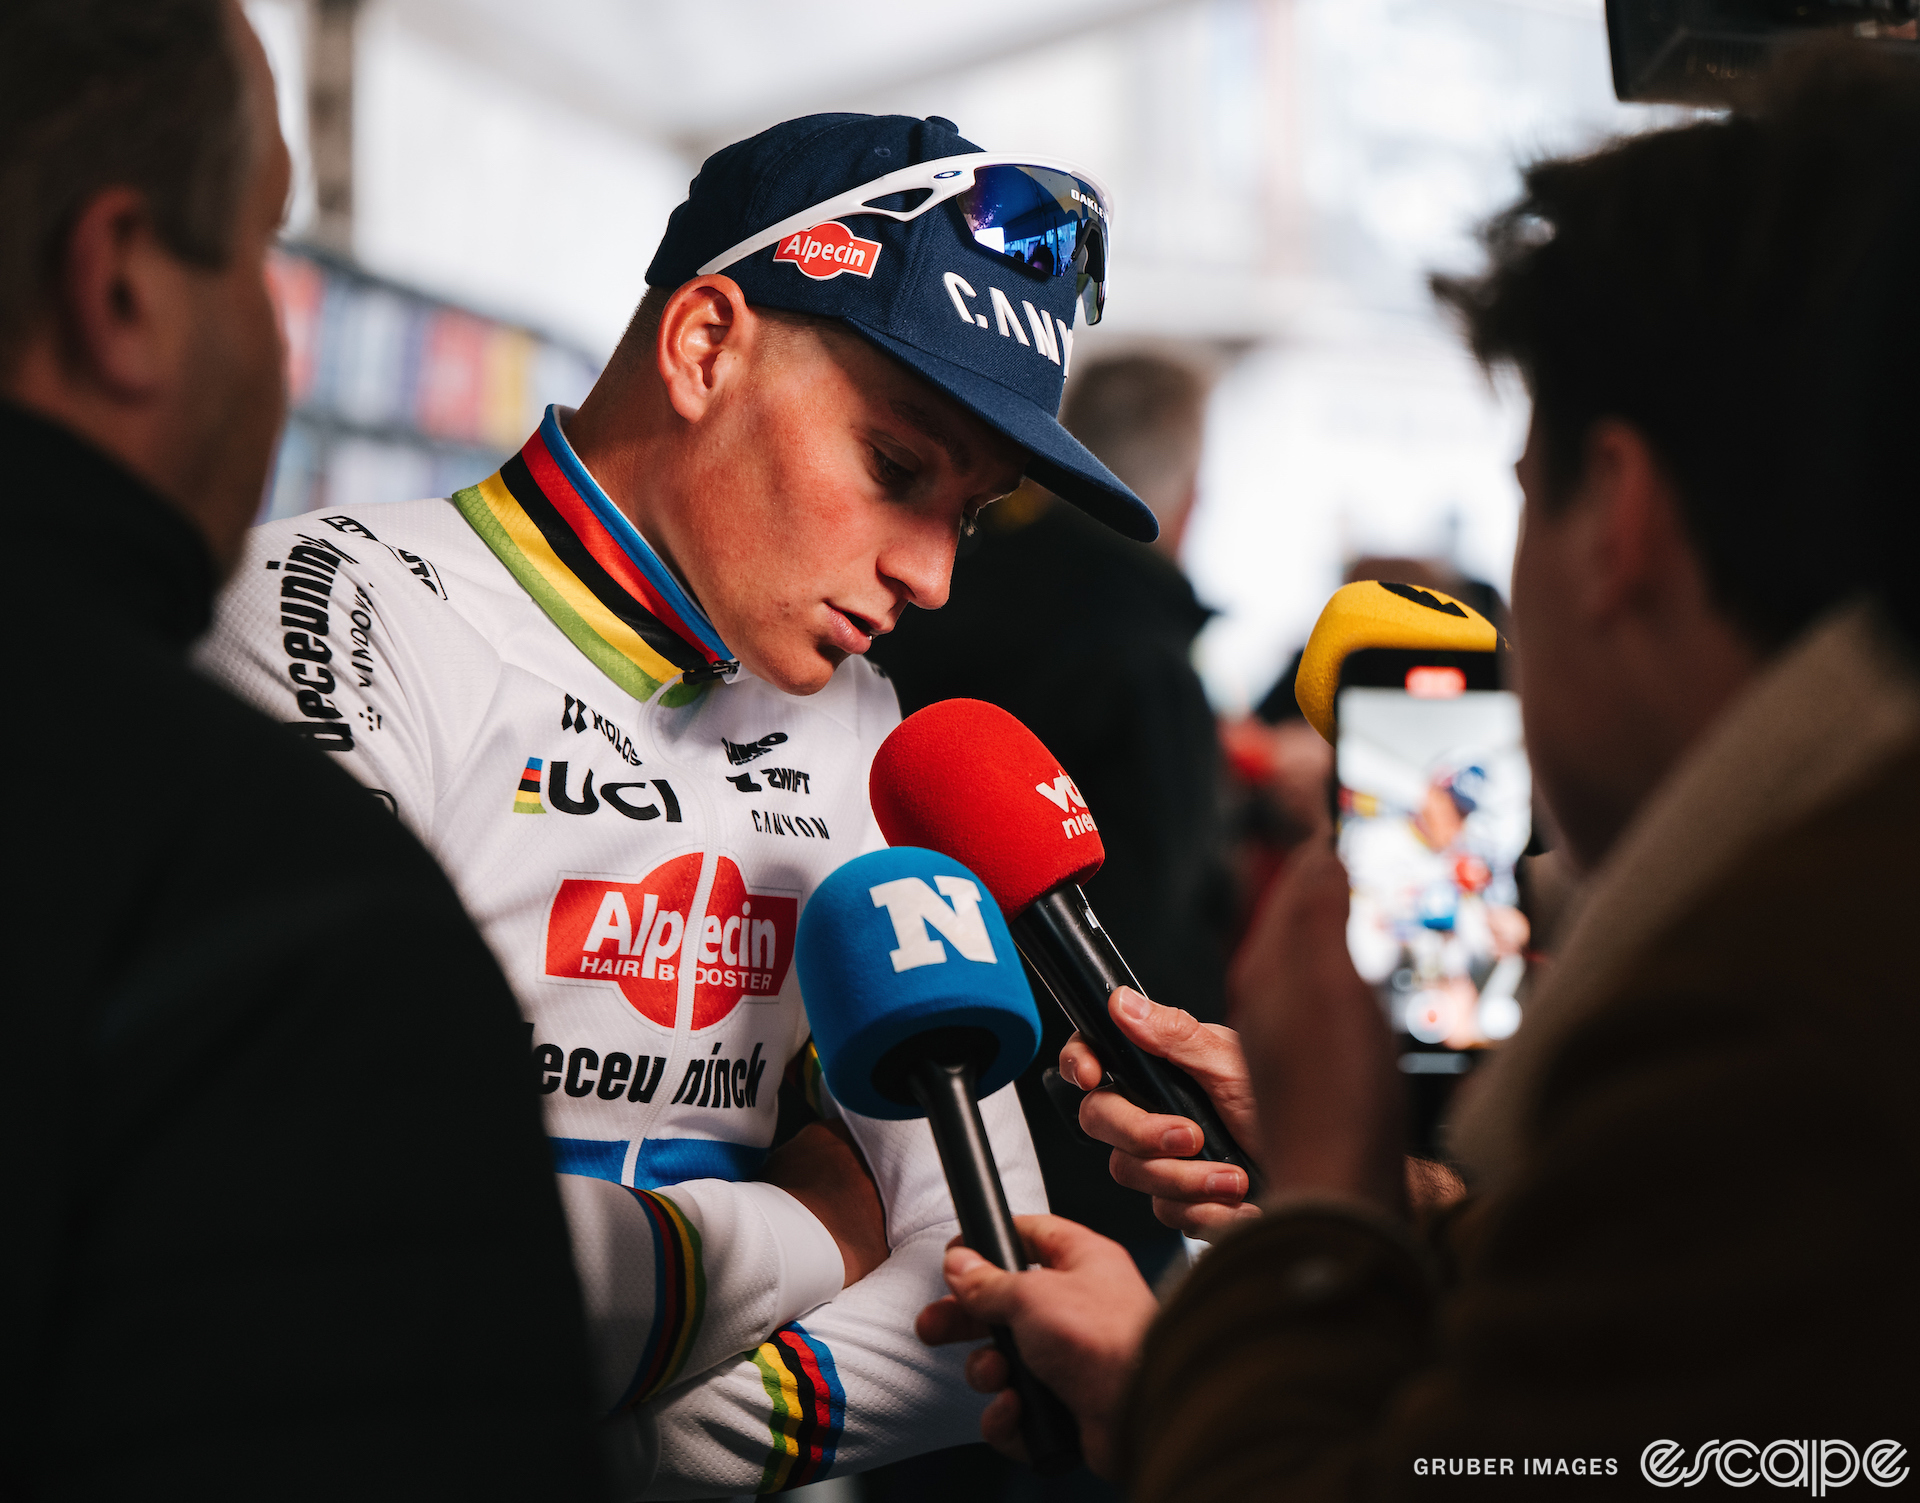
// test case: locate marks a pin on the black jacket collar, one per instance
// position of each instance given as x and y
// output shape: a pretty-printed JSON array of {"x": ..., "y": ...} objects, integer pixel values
[{"x": 119, "y": 547}]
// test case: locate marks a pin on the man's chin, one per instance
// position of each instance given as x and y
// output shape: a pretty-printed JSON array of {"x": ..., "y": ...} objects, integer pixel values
[{"x": 801, "y": 673}]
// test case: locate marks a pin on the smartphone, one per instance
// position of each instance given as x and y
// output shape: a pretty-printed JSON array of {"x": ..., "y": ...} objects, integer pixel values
[{"x": 1433, "y": 808}]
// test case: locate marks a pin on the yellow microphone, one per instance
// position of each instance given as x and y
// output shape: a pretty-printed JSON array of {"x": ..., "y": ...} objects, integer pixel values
[{"x": 1376, "y": 614}]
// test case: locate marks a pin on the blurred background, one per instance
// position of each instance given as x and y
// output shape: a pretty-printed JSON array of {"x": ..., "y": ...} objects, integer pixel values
[{"x": 480, "y": 184}]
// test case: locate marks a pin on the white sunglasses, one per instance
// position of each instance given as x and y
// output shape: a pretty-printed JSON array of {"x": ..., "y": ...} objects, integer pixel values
[{"x": 1041, "y": 213}]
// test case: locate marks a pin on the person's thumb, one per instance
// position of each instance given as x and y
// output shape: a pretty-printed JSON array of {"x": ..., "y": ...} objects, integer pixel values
[
  {"x": 1175, "y": 1035},
  {"x": 986, "y": 1293},
  {"x": 1055, "y": 1242}
]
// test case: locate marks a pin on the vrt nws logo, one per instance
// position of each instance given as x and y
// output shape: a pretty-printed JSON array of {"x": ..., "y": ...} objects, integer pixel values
[
  {"x": 643, "y": 936},
  {"x": 827, "y": 250},
  {"x": 1065, "y": 796}
]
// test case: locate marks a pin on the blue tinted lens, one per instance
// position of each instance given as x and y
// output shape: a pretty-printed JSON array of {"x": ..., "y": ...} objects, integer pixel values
[{"x": 1050, "y": 222}]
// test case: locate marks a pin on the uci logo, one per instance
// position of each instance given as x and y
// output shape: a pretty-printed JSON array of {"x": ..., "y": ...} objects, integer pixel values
[
  {"x": 1052, "y": 338},
  {"x": 916, "y": 908}
]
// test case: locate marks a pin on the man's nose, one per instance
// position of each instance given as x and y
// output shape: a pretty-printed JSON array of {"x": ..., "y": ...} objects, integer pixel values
[{"x": 920, "y": 561}]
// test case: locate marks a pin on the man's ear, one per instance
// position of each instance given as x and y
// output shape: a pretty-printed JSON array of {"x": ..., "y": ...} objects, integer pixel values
[
  {"x": 121, "y": 300},
  {"x": 706, "y": 333},
  {"x": 1633, "y": 519}
]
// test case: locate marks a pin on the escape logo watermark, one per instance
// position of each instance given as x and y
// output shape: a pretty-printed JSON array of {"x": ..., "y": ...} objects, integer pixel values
[{"x": 1817, "y": 1465}]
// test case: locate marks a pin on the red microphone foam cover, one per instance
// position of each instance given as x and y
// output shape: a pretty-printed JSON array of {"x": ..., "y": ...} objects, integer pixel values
[{"x": 965, "y": 778}]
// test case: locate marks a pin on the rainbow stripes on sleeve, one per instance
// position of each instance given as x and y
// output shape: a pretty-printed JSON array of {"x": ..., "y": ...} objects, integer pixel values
[
  {"x": 679, "y": 1298},
  {"x": 589, "y": 569},
  {"x": 809, "y": 1408}
]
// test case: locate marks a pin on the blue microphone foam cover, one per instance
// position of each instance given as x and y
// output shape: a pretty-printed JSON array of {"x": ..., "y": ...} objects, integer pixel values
[{"x": 900, "y": 942}]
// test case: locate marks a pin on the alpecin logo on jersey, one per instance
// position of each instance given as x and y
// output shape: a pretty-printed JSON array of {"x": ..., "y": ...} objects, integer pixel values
[{"x": 642, "y": 936}]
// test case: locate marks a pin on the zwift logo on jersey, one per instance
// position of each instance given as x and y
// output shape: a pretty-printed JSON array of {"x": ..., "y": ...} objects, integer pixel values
[
  {"x": 1065, "y": 796},
  {"x": 644, "y": 936},
  {"x": 916, "y": 910},
  {"x": 827, "y": 250},
  {"x": 787, "y": 779}
]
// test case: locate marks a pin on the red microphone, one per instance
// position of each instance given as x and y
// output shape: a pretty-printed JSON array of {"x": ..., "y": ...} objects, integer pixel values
[{"x": 967, "y": 779}]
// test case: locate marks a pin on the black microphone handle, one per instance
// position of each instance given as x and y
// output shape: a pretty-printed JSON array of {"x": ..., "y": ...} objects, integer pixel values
[
  {"x": 1064, "y": 943},
  {"x": 945, "y": 1094}
]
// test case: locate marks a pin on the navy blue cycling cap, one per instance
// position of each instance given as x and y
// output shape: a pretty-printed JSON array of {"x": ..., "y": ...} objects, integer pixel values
[{"x": 994, "y": 334}]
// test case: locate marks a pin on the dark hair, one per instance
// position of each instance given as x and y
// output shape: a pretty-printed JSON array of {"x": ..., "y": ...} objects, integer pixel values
[
  {"x": 1713, "y": 285},
  {"x": 94, "y": 94}
]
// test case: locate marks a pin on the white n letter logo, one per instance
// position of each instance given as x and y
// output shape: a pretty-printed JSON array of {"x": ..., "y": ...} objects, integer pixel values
[{"x": 914, "y": 908}]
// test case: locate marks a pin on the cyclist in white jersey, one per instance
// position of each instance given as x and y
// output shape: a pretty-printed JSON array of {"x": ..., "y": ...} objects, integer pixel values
[{"x": 616, "y": 688}]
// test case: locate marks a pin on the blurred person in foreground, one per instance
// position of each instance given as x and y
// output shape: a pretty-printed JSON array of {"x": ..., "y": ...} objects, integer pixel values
[
  {"x": 1086, "y": 637},
  {"x": 619, "y": 688},
  {"x": 1692, "y": 1168},
  {"x": 240, "y": 991}
]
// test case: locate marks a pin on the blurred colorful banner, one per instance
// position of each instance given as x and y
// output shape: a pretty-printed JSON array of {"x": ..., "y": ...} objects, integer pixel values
[{"x": 394, "y": 395}]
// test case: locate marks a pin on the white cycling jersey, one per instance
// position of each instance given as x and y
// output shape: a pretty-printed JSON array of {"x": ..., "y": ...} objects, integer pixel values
[{"x": 635, "y": 825}]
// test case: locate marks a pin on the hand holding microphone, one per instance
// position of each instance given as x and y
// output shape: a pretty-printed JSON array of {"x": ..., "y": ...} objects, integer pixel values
[
  {"x": 919, "y": 1007},
  {"x": 966, "y": 778},
  {"x": 1153, "y": 1153}
]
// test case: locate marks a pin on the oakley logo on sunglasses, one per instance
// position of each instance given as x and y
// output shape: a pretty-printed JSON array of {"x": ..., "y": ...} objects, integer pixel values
[
  {"x": 827, "y": 250},
  {"x": 1090, "y": 201}
]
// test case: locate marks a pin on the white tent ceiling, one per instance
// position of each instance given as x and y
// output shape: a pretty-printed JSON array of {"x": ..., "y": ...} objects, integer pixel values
[{"x": 698, "y": 74}]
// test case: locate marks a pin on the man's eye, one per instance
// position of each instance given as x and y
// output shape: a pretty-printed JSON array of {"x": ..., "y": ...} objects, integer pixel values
[{"x": 888, "y": 470}]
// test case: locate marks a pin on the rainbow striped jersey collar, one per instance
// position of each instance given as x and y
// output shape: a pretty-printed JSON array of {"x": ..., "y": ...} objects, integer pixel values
[{"x": 589, "y": 569}]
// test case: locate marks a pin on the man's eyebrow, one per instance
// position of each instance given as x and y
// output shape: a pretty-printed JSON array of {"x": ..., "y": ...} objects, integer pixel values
[{"x": 933, "y": 428}]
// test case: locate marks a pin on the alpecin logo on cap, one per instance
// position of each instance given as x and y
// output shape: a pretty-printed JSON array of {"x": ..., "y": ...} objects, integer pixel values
[{"x": 829, "y": 249}]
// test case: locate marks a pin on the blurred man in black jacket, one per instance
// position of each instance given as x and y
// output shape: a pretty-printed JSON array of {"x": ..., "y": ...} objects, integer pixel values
[
  {"x": 280, "y": 1207},
  {"x": 1087, "y": 637}
]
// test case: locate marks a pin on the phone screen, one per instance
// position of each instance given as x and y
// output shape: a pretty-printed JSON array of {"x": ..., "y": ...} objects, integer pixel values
[{"x": 1434, "y": 809}]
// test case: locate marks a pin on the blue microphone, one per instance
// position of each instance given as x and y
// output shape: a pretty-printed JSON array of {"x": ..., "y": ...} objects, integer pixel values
[{"x": 919, "y": 1007}]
